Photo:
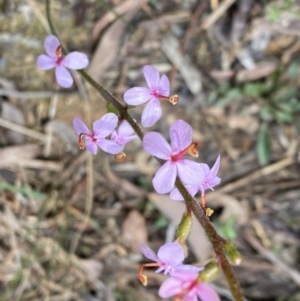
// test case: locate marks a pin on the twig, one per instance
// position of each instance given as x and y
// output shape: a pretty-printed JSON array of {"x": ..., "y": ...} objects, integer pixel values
[
  {"x": 21, "y": 129},
  {"x": 288, "y": 271},
  {"x": 27, "y": 94},
  {"x": 257, "y": 174},
  {"x": 216, "y": 14}
]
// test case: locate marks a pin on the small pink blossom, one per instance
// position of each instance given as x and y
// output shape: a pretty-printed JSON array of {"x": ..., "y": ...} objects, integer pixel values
[
  {"x": 54, "y": 59},
  {"x": 187, "y": 287},
  {"x": 101, "y": 129},
  {"x": 181, "y": 144},
  {"x": 210, "y": 180},
  {"x": 123, "y": 134},
  {"x": 159, "y": 88},
  {"x": 169, "y": 258}
]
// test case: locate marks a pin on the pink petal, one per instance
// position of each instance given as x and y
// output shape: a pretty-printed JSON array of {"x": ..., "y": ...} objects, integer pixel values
[
  {"x": 206, "y": 293},
  {"x": 164, "y": 86},
  {"x": 164, "y": 179},
  {"x": 80, "y": 127},
  {"x": 190, "y": 297},
  {"x": 45, "y": 62},
  {"x": 147, "y": 252},
  {"x": 51, "y": 44},
  {"x": 175, "y": 195},
  {"x": 151, "y": 113},
  {"x": 186, "y": 268},
  {"x": 63, "y": 77},
  {"x": 206, "y": 169},
  {"x": 171, "y": 253},
  {"x": 214, "y": 182},
  {"x": 105, "y": 125},
  {"x": 169, "y": 288},
  {"x": 91, "y": 146},
  {"x": 190, "y": 172},
  {"x": 151, "y": 76},
  {"x": 137, "y": 96},
  {"x": 109, "y": 146},
  {"x": 156, "y": 145},
  {"x": 180, "y": 135},
  {"x": 125, "y": 129},
  {"x": 215, "y": 169},
  {"x": 75, "y": 60}
]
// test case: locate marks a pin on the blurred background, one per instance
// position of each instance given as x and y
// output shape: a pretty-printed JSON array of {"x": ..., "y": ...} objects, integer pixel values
[{"x": 70, "y": 223}]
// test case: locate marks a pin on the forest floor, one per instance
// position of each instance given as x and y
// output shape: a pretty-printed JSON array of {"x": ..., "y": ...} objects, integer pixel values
[{"x": 71, "y": 223}]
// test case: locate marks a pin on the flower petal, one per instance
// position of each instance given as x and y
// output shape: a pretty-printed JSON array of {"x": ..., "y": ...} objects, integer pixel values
[
  {"x": 147, "y": 252},
  {"x": 63, "y": 77},
  {"x": 171, "y": 253},
  {"x": 214, "y": 182},
  {"x": 75, "y": 60},
  {"x": 164, "y": 179},
  {"x": 91, "y": 146},
  {"x": 186, "y": 268},
  {"x": 215, "y": 169},
  {"x": 109, "y": 146},
  {"x": 151, "y": 113},
  {"x": 51, "y": 44},
  {"x": 164, "y": 86},
  {"x": 125, "y": 129},
  {"x": 175, "y": 195},
  {"x": 105, "y": 125},
  {"x": 190, "y": 172},
  {"x": 180, "y": 135},
  {"x": 151, "y": 76},
  {"x": 170, "y": 287},
  {"x": 80, "y": 127},
  {"x": 137, "y": 96},
  {"x": 206, "y": 293},
  {"x": 156, "y": 145},
  {"x": 45, "y": 62}
]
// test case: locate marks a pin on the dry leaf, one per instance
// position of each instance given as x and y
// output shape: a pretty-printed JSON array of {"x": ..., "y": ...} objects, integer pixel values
[
  {"x": 93, "y": 268},
  {"x": 173, "y": 211},
  {"x": 189, "y": 73},
  {"x": 11, "y": 113},
  {"x": 134, "y": 230},
  {"x": 109, "y": 44},
  {"x": 247, "y": 124},
  {"x": 15, "y": 154},
  {"x": 111, "y": 16},
  {"x": 232, "y": 208}
]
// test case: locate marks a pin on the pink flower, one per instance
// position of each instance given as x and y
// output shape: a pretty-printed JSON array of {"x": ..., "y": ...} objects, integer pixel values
[
  {"x": 101, "y": 129},
  {"x": 187, "y": 287},
  {"x": 159, "y": 89},
  {"x": 181, "y": 144},
  {"x": 123, "y": 134},
  {"x": 54, "y": 59},
  {"x": 210, "y": 180},
  {"x": 169, "y": 258}
]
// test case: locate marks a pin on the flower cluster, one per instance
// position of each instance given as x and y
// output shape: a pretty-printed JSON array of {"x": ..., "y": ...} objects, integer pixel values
[
  {"x": 111, "y": 133},
  {"x": 185, "y": 281}
]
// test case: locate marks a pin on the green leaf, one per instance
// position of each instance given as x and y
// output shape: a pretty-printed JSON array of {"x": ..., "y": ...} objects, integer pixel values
[
  {"x": 231, "y": 95},
  {"x": 254, "y": 90},
  {"x": 263, "y": 145},
  {"x": 211, "y": 98}
]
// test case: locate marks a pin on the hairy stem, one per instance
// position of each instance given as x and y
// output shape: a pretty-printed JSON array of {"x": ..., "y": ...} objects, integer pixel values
[{"x": 216, "y": 241}]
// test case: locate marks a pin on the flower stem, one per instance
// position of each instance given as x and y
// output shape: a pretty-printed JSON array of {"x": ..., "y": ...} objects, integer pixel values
[{"x": 216, "y": 241}]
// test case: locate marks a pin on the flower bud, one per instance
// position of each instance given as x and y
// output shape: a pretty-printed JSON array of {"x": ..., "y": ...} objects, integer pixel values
[
  {"x": 184, "y": 227},
  {"x": 210, "y": 272},
  {"x": 232, "y": 253}
]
